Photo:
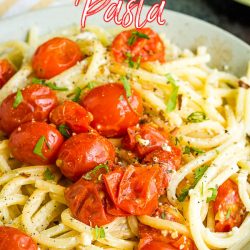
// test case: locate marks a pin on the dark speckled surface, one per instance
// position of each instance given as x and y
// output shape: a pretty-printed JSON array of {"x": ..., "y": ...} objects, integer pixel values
[{"x": 226, "y": 14}]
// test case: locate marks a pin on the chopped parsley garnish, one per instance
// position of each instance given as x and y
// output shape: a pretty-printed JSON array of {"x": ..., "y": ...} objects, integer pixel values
[
  {"x": 48, "y": 84},
  {"x": 91, "y": 85},
  {"x": 136, "y": 34},
  {"x": 197, "y": 117},
  {"x": 39, "y": 146},
  {"x": 184, "y": 194},
  {"x": 99, "y": 232},
  {"x": 88, "y": 176},
  {"x": 228, "y": 213},
  {"x": 198, "y": 173},
  {"x": 213, "y": 195},
  {"x": 126, "y": 86},
  {"x": 131, "y": 63},
  {"x": 163, "y": 215},
  {"x": 48, "y": 175},
  {"x": 64, "y": 130},
  {"x": 77, "y": 96},
  {"x": 18, "y": 99},
  {"x": 171, "y": 103},
  {"x": 192, "y": 150}
]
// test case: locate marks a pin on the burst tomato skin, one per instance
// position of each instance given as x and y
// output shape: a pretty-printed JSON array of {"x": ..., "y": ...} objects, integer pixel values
[
  {"x": 38, "y": 101},
  {"x": 14, "y": 239},
  {"x": 228, "y": 204},
  {"x": 6, "y": 72},
  {"x": 54, "y": 56},
  {"x": 113, "y": 113},
  {"x": 151, "y": 49},
  {"x": 73, "y": 115},
  {"x": 87, "y": 203},
  {"x": 23, "y": 140},
  {"x": 82, "y": 152},
  {"x": 153, "y": 138},
  {"x": 168, "y": 161},
  {"x": 134, "y": 189}
]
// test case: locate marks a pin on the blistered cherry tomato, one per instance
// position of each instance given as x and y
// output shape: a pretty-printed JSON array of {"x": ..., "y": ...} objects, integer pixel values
[
  {"x": 14, "y": 239},
  {"x": 86, "y": 201},
  {"x": 73, "y": 115},
  {"x": 36, "y": 103},
  {"x": 6, "y": 72},
  {"x": 35, "y": 143},
  {"x": 134, "y": 189},
  {"x": 140, "y": 45},
  {"x": 82, "y": 152},
  {"x": 146, "y": 138},
  {"x": 113, "y": 112},
  {"x": 169, "y": 161},
  {"x": 228, "y": 208},
  {"x": 55, "y": 56}
]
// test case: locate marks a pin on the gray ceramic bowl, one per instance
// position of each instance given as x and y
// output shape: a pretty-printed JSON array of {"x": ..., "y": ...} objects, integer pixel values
[{"x": 185, "y": 31}]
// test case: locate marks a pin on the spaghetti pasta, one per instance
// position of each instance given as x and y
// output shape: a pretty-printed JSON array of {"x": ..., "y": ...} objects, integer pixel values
[{"x": 36, "y": 205}]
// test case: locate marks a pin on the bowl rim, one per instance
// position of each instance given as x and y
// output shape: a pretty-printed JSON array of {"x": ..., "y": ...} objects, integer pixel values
[{"x": 243, "y": 43}]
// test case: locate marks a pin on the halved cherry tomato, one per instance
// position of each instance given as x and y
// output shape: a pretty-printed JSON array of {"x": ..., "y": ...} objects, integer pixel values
[
  {"x": 146, "y": 138},
  {"x": 134, "y": 189},
  {"x": 40, "y": 135},
  {"x": 55, "y": 56},
  {"x": 146, "y": 46},
  {"x": 6, "y": 72},
  {"x": 113, "y": 112},
  {"x": 87, "y": 203},
  {"x": 73, "y": 115},
  {"x": 167, "y": 160},
  {"x": 13, "y": 239},
  {"x": 36, "y": 103},
  {"x": 82, "y": 152},
  {"x": 228, "y": 208}
]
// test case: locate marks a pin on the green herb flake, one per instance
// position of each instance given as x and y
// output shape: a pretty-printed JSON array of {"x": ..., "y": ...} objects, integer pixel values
[
  {"x": 48, "y": 175},
  {"x": 39, "y": 146},
  {"x": 77, "y": 96},
  {"x": 197, "y": 117},
  {"x": 228, "y": 214},
  {"x": 131, "y": 63},
  {"x": 136, "y": 34},
  {"x": 192, "y": 150},
  {"x": 37, "y": 80},
  {"x": 198, "y": 173},
  {"x": 213, "y": 195},
  {"x": 88, "y": 176},
  {"x": 172, "y": 101},
  {"x": 64, "y": 130},
  {"x": 91, "y": 85},
  {"x": 99, "y": 232},
  {"x": 48, "y": 84},
  {"x": 54, "y": 87},
  {"x": 184, "y": 194},
  {"x": 18, "y": 99},
  {"x": 126, "y": 86},
  {"x": 163, "y": 215}
]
